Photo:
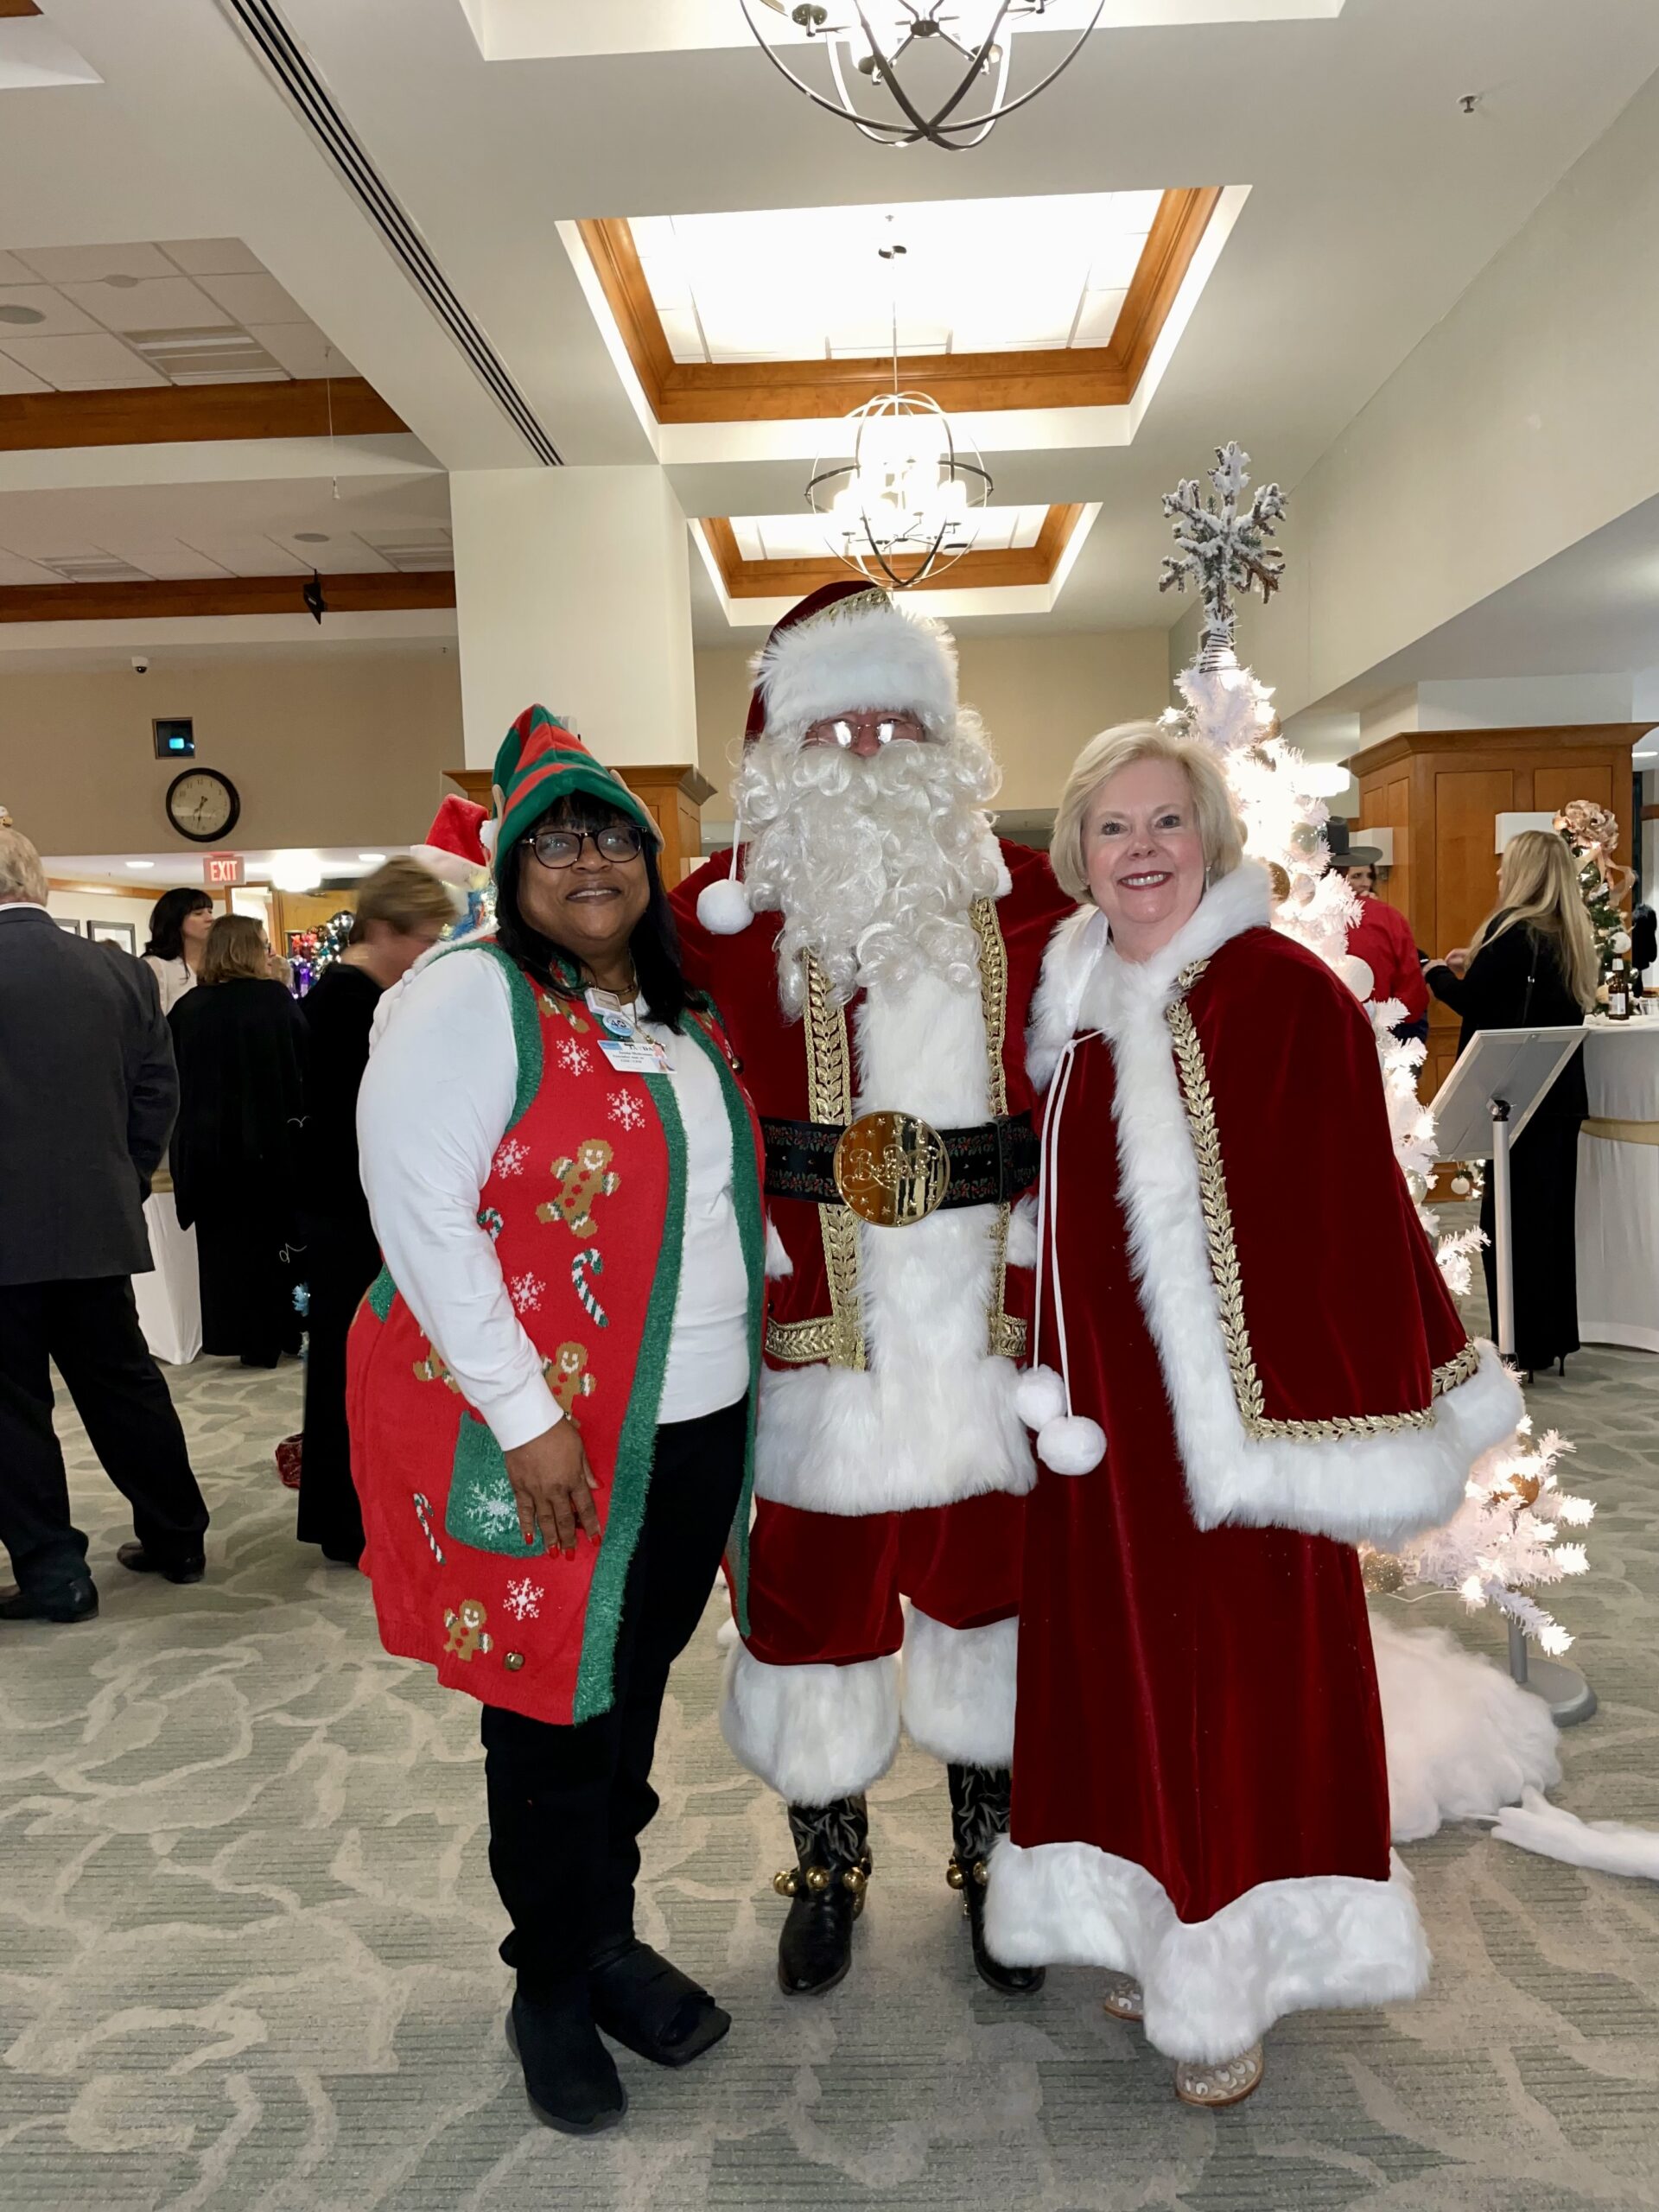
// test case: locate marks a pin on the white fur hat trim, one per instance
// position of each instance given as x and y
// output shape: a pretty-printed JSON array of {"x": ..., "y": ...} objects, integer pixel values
[{"x": 866, "y": 653}]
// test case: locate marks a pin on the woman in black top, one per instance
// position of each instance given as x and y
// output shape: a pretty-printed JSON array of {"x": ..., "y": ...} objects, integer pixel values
[
  {"x": 240, "y": 1045},
  {"x": 402, "y": 911},
  {"x": 1534, "y": 961}
]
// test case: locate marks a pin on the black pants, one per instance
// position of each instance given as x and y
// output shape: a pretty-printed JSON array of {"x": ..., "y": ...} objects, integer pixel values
[
  {"x": 91, "y": 1329},
  {"x": 568, "y": 1805},
  {"x": 340, "y": 1264}
]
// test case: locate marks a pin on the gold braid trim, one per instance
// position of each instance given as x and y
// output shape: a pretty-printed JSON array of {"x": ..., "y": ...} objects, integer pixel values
[
  {"x": 1200, "y": 1104},
  {"x": 838, "y": 1336}
]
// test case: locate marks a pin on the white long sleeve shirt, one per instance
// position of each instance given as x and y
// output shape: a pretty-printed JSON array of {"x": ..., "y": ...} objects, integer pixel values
[{"x": 434, "y": 1106}]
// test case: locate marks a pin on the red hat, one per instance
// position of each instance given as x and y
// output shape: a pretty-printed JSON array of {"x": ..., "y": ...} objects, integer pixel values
[{"x": 453, "y": 850}]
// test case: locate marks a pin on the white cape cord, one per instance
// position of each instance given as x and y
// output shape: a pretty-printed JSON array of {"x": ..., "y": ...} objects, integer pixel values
[{"x": 1609, "y": 1846}]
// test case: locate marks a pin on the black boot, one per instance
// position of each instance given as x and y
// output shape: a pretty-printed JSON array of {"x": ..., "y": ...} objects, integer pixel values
[
  {"x": 826, "y": 1894},
  {"x": 570, "y": 2077},
  {"x": 979, "y": 1814}
]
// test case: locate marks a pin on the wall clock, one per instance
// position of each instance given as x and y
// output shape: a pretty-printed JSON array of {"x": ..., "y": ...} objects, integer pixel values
[{"x": 203, "y": 805}]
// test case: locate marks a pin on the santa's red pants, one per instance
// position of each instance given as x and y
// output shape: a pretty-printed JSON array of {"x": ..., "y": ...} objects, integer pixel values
[{"x": 814, "y": 1700}]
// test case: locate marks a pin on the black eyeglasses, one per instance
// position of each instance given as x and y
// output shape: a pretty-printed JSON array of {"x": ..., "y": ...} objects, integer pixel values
[{"x": 556, "y": 848}]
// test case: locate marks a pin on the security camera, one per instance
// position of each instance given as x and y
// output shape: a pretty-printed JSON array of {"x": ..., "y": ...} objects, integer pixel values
[{"x": 140, "y": 665}]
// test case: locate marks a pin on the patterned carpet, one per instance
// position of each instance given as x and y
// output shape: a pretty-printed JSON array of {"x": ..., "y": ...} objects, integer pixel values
[{"x": 246, "y": 1937}]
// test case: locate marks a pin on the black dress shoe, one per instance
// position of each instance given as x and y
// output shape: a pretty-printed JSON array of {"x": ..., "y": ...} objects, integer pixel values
[
  {"x": 570, "y": 2077},
  {"x": 826, "y": 1894},
  {"x": 178, "y": 1567},
  {"x": 71, "y": 1601}
]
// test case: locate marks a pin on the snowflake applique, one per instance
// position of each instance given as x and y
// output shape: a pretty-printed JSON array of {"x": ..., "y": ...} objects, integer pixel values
[
  {"x": 509, "y": 1157},
  {"x": 573, "y": 1056},
  {"x": 626, "y": 1109},
  {"x": 525, "y": 1292},
  {"x": 491, "y": 1509},
  {"x": 524, "y": 1600}
]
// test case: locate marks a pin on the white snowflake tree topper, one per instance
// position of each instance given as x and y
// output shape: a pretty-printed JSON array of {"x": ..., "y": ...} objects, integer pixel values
[{"x": 1222, "y": 544}]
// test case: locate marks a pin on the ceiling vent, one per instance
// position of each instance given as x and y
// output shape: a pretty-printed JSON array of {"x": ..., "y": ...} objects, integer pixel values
[
  {"x": 411, "y": 551},
  {"x": 207, "y": 356},
  {"x": 95, "y": 569}
]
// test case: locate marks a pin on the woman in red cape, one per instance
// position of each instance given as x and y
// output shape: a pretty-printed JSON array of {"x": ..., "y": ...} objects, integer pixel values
[{"x": 1200, "y": 1795}]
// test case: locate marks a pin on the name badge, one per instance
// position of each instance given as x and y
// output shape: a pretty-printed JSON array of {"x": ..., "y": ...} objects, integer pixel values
[{"x": 634, "y": 1055}]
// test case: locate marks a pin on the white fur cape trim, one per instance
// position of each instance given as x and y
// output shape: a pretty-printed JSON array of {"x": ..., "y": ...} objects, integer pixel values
[
  {"x": 1214, "y": 1987},
  {"x": 959, "y": 1685},
  {"x": 811, "y": 1733},
  {"x": 932, "y": 1417},
  {"x": 869, "y": 654},
  {"x": 1384, "y": 1487}
]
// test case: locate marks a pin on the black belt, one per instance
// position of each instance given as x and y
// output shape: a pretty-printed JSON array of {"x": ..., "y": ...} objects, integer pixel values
[{"x": 991, "y": 1164}]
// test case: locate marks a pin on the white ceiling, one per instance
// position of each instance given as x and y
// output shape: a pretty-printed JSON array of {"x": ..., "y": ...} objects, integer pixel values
[
  {"x": 142, "y": 871},
  {"x": 102, "y": 318},
  {"x": 975, "y": 276}
]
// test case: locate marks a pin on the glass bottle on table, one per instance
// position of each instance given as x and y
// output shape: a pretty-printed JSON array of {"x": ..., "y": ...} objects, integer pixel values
[{"x": 1618, "y": 991}]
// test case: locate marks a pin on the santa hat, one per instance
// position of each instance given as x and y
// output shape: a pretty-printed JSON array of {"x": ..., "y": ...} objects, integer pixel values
[
  {"x": 455, "y": 848},
  {"x": 540, "y": 763},
  {"x": 845, "y": 647}
]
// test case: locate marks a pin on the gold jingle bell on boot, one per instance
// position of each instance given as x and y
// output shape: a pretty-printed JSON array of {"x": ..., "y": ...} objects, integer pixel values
[{"x": 826, "y": 1894}]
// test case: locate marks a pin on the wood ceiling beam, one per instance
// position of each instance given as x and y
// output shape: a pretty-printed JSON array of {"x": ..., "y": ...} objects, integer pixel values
[
  {"x": 752, "y": 392},
  {"x": 975, "y": 571},
  {"x": 174, "y": 414},
  {"x": 17, "y": 8},
  {"x": 189, "y": 596}
]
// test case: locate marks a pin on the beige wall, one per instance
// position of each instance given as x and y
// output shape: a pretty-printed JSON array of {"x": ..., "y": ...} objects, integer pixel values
[
  {"x": 1040, "y": 697},
  {"x": 342, "y": 750}
]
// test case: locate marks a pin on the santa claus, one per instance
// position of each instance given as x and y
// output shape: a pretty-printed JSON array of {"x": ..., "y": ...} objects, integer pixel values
[{"x": 873, "y": 948}]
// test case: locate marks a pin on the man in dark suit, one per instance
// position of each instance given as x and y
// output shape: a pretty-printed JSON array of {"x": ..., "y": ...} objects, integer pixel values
[{"x": 87, "y": 1097}]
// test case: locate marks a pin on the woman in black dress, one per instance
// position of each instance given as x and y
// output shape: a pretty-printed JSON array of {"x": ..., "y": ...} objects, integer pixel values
[
  {"x": 401, "y": 911},
  {"x": 239, "y": 1043},
  {"x": 1534, "y": 961}
]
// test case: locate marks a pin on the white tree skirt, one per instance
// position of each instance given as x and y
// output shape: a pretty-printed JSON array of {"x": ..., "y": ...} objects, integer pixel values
[{"x": 1462, "y": 1738}]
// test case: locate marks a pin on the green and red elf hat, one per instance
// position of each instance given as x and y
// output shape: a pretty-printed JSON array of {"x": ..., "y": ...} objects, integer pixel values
[{"x": 540, "y": 763}]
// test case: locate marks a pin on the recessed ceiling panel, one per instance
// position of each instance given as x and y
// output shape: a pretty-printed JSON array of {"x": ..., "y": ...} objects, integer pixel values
[
  {"x": 973, "y": 276},
  {"x": 801, "y": 536}
]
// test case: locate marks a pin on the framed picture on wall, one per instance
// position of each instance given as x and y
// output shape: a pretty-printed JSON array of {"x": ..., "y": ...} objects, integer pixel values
[
  {"x": 121, "y": 933},
  {"x": 73, "y": 928}
]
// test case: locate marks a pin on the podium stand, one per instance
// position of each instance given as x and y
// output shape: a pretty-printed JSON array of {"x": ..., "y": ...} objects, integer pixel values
[{"x": 1480, "y": 1109}]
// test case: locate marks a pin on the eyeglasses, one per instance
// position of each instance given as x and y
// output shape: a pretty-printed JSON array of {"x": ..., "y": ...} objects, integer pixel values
[
  {"x": 556, "y": 848},
  {"x": 847, "y": 730}
]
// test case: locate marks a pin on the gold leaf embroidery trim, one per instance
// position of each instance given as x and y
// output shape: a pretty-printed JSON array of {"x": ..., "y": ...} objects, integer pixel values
[
  {"x": 1200, "y": 1104},
  {"x": 1005, "y": 1337}
]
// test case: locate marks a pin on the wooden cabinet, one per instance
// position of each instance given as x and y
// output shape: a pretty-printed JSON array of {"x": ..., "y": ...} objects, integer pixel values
[
  {"x": 1440, "y": 791},
  {"x": 674, "y": 796}
]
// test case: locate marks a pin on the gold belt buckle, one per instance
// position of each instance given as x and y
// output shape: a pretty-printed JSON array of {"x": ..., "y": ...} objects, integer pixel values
[{"x": 891, "y": 1169}]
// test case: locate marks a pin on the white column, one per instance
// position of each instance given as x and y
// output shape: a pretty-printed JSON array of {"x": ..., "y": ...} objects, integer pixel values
[{"x": 573, "y": 590}]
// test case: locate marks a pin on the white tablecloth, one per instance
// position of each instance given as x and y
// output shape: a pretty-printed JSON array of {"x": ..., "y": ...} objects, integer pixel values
[
  {"x": 1618, "y": 1189},
  {"x": 169, "y": 1297}
]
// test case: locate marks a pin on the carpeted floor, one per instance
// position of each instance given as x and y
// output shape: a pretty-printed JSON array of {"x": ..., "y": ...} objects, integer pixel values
[{"x": 246, "y": 1937}]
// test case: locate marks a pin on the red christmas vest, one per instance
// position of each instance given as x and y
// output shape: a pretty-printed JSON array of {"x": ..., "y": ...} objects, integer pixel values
[{"x": 585, "y": 1201}]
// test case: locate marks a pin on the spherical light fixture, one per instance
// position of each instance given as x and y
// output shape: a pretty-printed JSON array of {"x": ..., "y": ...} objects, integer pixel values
[
  {"x": 901, "y": 509},
  {"x": 942, "y": 64}
]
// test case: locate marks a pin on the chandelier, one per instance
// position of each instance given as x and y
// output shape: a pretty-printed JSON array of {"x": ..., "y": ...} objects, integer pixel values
[
  {"x": 943, "y": 65},
  {"x": 900, "y": 510}
]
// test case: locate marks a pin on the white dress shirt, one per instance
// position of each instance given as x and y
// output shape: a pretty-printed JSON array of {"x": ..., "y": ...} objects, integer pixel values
[{"x": 433, "y": 1108}]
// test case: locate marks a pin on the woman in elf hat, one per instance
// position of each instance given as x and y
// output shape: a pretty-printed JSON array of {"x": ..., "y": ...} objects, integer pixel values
[{"x": 549, "y": 1384}]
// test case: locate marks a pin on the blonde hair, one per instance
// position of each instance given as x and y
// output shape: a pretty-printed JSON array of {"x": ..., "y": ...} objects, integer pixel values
[
  {"x": 235, "y": 950},
  {"x": 1100, "y": 760},
  {"x": 22, "y": 876},
  {"x": 1538, "y": 889},
  {"x": 403, "y": 894}
]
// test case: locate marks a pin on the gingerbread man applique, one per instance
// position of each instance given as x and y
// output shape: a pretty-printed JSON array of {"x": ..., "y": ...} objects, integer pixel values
[
  {"x": 568, "y": 1376},
  {"x": 583, "y": 1180},
  {"x": 433, "y": 1369},
  {"x": 465, "y": 1629}
]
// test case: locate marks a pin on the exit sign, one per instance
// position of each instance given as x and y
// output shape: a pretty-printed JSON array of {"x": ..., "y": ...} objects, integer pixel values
[{"x": 224, "y": 868}]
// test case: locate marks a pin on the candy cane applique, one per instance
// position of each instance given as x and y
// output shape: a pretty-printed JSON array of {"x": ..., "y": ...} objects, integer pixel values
[
  {"x": 423, "y": 1515},
  {"x": 589, "y": 1259}
]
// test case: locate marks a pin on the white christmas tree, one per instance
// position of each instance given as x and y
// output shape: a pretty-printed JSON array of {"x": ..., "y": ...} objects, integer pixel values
[{"x": 1502, "y": 1541}]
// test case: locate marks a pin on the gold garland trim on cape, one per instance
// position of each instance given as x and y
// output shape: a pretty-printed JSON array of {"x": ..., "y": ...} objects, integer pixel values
[
  {"x": 1200, "y": 1104},
  {"x": 838, "y": 1336}
]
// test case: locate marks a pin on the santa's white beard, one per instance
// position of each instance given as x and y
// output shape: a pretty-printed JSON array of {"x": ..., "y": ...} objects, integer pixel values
[{"x": 874, "y": 864}]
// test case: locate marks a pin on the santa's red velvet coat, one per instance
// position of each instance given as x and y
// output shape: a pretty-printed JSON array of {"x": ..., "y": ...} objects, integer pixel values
[
  {"x": 903, "y": 1474},
  {"x": 1200, "y": 1790}
]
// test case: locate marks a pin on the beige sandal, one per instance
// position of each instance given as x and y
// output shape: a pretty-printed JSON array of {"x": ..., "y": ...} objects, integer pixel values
[
  {"x": 1229, "y": 2083},
  {"x": 1125, "y": 1998}
]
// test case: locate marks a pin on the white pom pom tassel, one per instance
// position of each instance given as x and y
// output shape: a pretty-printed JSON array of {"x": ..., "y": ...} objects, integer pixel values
[
  {"x": 487, "y": 833},
  {"x": 1039, "y": 1396},
  {"x": 1072, "y": 1445},
  {"x": 723, "y": 908},
  {"x": 1357, "y": 974}
]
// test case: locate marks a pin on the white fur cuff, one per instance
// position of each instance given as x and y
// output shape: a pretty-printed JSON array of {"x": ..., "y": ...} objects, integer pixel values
[
  {"x": 813, "y": 1733},
  {"x": 959, "y": 1685},
  {"x": 1214, "y": 1987}
]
